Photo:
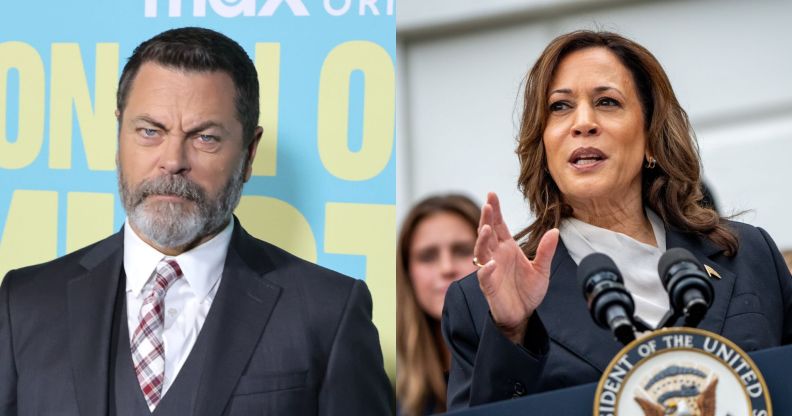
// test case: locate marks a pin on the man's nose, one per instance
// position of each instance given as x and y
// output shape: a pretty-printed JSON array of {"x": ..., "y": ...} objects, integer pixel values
[{"x": 173, "y": 159}]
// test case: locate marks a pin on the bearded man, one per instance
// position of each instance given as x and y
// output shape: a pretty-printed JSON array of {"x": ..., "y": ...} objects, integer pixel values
[{"x": 182, "y": 312}]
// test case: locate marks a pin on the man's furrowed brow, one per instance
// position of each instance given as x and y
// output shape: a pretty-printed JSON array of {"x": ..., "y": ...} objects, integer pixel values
[
  {"x": 206, "y": 125},
  {"x": 145, "y": 118}
]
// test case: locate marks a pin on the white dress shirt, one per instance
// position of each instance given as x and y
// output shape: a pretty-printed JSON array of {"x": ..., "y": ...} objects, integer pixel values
[
  {"x": 636, "y": 261},
  {"x": 188, "y": 299}
]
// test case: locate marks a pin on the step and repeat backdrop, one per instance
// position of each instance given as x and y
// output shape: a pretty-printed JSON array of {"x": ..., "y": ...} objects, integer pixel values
[{"x": 323, "y": 184}]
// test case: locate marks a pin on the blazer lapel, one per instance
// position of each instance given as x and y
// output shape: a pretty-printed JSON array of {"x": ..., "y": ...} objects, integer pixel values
[
  {"x": 706, "y": 251},
  {"x": 91, "y": 299},
  {"x": 569, "y": 323},
  {"x": 567, "y": 318},
  {"x": 239, "y": 313}
]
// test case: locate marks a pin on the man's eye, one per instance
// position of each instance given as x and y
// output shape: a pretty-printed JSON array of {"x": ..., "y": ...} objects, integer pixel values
[
  {"x": 207, "y": 138},
  {"x": 148, "y": 132}
]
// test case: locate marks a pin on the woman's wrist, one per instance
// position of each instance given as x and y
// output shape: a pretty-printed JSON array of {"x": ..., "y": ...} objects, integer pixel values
[{"x": 515, "y": 333}]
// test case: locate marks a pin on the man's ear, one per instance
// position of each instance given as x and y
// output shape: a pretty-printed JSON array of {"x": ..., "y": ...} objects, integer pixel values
[
  {"x": 251, "y": 152},
  {"x": 118, "y": 139}
]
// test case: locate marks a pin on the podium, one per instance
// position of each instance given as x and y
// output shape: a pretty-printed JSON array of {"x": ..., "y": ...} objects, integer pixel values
[{"x": 775, "y": 364}]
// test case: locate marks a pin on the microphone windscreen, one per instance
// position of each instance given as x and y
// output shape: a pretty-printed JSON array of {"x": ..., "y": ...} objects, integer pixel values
[
  {"x": 672, "y": 257},
  {"x": 595, "y": 263}
]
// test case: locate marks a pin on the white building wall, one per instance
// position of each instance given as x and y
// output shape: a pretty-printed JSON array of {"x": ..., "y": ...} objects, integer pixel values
[{"x": 461, "y": 64}]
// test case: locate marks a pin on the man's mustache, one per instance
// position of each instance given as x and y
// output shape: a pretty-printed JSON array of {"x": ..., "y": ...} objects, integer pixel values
[{"x": 171, "y": 185}]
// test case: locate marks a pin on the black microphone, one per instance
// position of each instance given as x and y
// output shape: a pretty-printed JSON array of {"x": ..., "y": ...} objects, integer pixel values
[
  {"x": 610, "y": 304},
  {"x": 689, "y": 289}
]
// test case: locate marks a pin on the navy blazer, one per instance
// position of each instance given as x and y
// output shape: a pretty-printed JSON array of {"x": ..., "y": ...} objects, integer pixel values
[
  {"x": 283, "y": 337},
  {"x": 563, "y": 347}
]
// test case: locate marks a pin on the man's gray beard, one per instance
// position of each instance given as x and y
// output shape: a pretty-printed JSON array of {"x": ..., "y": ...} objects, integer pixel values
[{"x": 177, "y": 224}]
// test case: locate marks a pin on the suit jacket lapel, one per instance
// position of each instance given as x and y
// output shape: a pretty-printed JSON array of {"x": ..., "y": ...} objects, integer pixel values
[
  {"x": 706, "y": 252},
  {"x": 91, "y": 299},
  {"x": 232, "y": 330},
  {"x": 569, "y": 323},
  {"x": 567, "y": 319}
]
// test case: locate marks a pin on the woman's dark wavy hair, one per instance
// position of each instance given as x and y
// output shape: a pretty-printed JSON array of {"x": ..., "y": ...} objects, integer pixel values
[{"x": 672, "y": 189}]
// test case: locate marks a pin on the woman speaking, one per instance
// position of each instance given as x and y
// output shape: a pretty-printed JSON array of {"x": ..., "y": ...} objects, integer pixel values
[{"x": 608, "y": 163}]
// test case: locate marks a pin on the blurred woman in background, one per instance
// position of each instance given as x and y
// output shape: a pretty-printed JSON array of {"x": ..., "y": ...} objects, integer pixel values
[{"x": 435, "y": 248}]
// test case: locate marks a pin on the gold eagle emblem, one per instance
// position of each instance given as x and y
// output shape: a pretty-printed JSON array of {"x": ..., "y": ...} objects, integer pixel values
[{"x": 678, "y": 390}]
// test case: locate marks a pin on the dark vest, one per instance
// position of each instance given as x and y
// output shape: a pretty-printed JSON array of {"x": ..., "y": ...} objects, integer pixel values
[{"x": 125, "y": 396}]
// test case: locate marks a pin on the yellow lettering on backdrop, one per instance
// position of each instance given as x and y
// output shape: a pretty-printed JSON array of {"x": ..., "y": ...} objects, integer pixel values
[
  {"x": 30, "y": 134},
  {"x": 370, "y": 230},
  {"x": 378, "y": 110},
  {"x": 97, "y": 123},
  {"x": 89, "y": 218},
  {"x": 30, "y": 235},
  {"x": 268, "y": 68},
  {"x": 279, "y": 223}
]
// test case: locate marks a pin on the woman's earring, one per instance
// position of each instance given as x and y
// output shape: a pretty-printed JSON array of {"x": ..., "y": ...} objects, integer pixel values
[{"x": 651, "y": 163}]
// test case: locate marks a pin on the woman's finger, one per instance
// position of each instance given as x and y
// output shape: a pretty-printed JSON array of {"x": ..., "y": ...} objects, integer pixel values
[
  {"x": 492, "y": 240},
  {"x": 483, "y": 218},
  {"x": 486, "y": 216},
  {"x": 482, "y": 251},
  {"x": 498, "y": 225},
  {"x": 545, "y": 251},
  {"x": 486, "y": 279}
]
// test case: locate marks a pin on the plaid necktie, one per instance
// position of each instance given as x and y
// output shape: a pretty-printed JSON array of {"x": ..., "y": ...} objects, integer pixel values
[{"x": 148, "y": 350}]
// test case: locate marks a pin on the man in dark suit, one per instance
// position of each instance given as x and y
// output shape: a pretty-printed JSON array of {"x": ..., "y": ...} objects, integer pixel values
[{"x": 183, "y": 312}]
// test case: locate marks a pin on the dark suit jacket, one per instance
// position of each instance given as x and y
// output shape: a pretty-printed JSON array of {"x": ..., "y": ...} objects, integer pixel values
[
  {"x": 563, "y": 347},
  {"x": 283, "y": 337}
]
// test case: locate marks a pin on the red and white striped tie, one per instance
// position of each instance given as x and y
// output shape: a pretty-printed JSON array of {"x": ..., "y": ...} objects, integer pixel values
[{"x": 148, "y": 350}]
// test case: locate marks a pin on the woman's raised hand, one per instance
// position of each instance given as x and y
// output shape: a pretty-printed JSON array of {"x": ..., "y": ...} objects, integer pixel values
[{"x": 513, "y": 285}]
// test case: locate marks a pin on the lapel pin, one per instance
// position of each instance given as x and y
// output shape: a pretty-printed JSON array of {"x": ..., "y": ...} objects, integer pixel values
[{"x": 711, "y": 272}]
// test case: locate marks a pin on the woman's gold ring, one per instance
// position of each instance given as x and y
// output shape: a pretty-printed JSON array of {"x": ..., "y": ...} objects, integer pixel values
[{"x": 476, "y": 262}]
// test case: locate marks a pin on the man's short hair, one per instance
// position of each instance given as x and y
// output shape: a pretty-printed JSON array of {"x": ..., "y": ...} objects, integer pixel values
[{"x": 201, "y": 50}]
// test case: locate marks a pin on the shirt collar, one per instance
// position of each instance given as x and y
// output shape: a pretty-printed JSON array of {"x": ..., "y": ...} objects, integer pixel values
[
  {"x": 581, "y": 238},
  {"x": 202, "y": 265}
]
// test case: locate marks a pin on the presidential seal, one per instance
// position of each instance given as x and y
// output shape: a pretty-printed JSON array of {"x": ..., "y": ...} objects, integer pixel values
[{"x": 682, "y": 372}]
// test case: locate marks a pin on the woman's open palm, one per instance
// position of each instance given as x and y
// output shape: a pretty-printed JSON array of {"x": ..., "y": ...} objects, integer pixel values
[{"x": 513, "y": 285}]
